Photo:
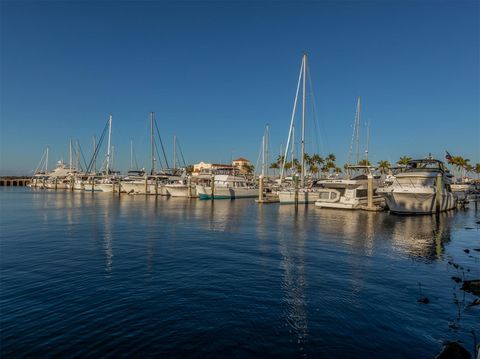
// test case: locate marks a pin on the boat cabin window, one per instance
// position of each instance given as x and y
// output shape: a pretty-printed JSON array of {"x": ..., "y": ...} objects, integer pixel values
[{"x": 362, "y": 193}]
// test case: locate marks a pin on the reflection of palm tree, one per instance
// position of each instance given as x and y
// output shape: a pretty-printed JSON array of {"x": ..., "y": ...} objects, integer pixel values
[{"x": 383, "y": 166}]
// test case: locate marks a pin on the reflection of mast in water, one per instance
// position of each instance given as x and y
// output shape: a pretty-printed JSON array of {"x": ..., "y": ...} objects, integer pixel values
[
  {"x": 107, "y": 239},
  {"x": 294, "y": 281}
]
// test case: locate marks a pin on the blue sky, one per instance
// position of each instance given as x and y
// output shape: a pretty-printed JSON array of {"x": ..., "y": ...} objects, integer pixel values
[{"x": 215, "y": 73}]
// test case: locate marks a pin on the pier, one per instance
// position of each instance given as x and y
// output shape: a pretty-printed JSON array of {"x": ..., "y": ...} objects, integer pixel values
[{"x": 14, "y": 181}]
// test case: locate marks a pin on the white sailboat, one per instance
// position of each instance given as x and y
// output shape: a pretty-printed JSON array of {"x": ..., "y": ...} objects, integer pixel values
[{"x": 299, "y": 193}]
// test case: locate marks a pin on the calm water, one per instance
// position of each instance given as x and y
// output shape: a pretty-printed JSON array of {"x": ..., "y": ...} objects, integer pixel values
[{"x": 85, "y": 275}]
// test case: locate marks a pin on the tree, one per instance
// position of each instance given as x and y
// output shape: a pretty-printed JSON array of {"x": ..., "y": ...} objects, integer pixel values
[
  {"x": 364, "y": 163},
  {"x": 383, "y": 166},
  {"x": 274, "y": 166},
  {"x": 404, "y": 160},
  {"x": 248, "y": 168},
  {"x": 477, "y": 168}
]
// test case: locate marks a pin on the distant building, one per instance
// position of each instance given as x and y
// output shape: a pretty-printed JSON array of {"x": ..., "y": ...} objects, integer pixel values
[
  {"x": 240, "y": 163},
  {"x": 203, "y": 166}
]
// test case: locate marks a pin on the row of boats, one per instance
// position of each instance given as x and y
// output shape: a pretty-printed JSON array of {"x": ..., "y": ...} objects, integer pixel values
[{"x": 424, "y": 186}]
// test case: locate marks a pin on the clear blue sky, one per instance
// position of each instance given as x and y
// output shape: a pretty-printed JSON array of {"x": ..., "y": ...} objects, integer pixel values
[{"x": 215, "y": 73}]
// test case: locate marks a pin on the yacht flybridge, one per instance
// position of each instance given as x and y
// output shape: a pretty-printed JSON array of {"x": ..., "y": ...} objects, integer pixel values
[{"x": 423, "y": 188}]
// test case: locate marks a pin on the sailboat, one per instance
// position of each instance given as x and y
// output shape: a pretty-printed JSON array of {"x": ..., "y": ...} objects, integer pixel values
[{"x": 300, "y": 192}]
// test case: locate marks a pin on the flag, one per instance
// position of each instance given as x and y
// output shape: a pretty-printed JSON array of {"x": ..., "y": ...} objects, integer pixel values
[{"x": 448, "y": 157}]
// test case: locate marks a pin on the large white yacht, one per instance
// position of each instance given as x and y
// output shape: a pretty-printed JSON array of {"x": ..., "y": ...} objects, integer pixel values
[
  {"x": 227, "y": 187},
  {"x": 422, "y": 188}
]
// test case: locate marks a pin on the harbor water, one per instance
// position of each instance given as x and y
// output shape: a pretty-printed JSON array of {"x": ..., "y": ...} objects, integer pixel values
[{"x": 98, "y": 275}]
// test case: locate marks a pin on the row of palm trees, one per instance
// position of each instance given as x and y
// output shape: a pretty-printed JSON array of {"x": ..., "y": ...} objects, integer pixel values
[{"x": 317, "y": 164}]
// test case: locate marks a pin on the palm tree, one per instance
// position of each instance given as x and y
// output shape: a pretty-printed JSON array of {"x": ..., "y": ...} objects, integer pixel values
[
  {"x": 404, "y": 160},
  {"x": 383, "y": 166},
  {"x": 248, "y": 168},
  {"x": 477, "y": 169},
  {"x": 274, "y": 166},
  {"x": 317, "y": 159},
  {"x": 364, "y": 163}
]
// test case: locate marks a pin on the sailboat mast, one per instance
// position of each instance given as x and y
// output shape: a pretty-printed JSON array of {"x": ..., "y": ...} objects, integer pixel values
[
  {"x": 109, "y": 143},
  {"x": 131, "y": 154},
  {"x": 46, "y": 162},
  {"x": 70, "y": 154},
  {"x": 358, "y": 128},
  {"x": 94, "y": 141},
  {"x": 266, "y": 152},
  {"x": 368, "y": 138},
  {"x": 302, "y": 175},
  {"x": 263, "y": 155},
  {"x": 152, "y": 145},
  {"x": 174, "y": 152}
]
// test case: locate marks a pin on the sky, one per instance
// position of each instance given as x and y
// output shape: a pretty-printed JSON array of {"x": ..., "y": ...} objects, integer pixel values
[{"x": 215, "y": 73}]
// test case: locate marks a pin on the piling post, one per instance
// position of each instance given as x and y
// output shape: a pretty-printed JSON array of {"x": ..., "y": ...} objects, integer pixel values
[
  {"x": 93, "y": 184},
  {"x": 439, "y": 192},
  {"x": 56, "y": 183},
  {"x": 189, "y": 185},
  {"x": 146, "y": 184},
  {"x": 212, "y": 185},
  {"x": 260, "y": 188},
  {"x": 156, "y": 186},
  {"x": 295, "y": 180},
  {"x": 370, "y": 191}
]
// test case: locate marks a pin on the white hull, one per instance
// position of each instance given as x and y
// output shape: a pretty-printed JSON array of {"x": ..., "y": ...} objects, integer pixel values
[
  {"x": 59, "y": 185},
  {"x": 181, "y": 191},
  {"x": 288, "y": 197},
  {"x": 358, "y": 203},
  {"x": 419, "y": 202},
  {"x": 205, "y": 192}
]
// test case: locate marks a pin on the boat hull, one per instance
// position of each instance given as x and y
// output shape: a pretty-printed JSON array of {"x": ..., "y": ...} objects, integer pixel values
[
  {"x": 419, "y": 202},
  {"x": 205, "y": 192},
  {"x": 304, "y": 197},
  {"x": 181, "y": 191},
  {"x": 350, "y": 205}
]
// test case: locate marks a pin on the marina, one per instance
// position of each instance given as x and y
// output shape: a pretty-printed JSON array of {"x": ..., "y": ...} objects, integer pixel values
[
  {"x": 239, "y": 179},
  {"x": 187, "y": 277}
]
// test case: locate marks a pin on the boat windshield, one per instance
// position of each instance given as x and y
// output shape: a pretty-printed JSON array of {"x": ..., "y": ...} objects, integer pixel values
[{"x": 422, "y": 165}]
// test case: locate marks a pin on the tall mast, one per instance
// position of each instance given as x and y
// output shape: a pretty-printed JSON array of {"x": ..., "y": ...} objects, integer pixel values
[
  {"x": 46, "y": 162},
  {"x": 113, "y": 151},
  {"x": 368, "y": 138},
  {"x": 131, "y": 154},
  {"x": 293, "y": 148},
  {"x": 94, "y": 140},
  {"x": 263, "y": 155},
  {"x": 358, "y": 128},
  {"x": 291, "y": 130},
  {"x": 109, "y": 143},
  {"x": 70, "y": 154},
  {"x": 266, "y": 152},
  {"x": 152, "y": 145},
  {"x": 302, "y": 175},
  {"x": 174, "y": 152}
]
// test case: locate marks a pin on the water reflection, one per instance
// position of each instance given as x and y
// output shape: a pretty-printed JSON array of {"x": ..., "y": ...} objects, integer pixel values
[
  {"x": 292, "y": 242},
  {"x": 421, "y": 237}
]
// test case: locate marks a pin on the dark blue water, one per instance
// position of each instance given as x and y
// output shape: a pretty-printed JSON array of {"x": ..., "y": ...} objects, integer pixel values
[{"x": 97, "y": 275}]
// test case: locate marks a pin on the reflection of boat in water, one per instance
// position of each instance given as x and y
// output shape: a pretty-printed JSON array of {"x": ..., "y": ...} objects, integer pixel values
[
  {"x": 421, "y": 237},
  {"x": 423, "y": 188},
  {"x": 228, "y": 187},
  {"x": 350, "y": 193}
]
